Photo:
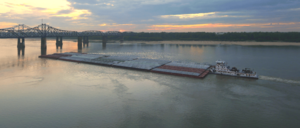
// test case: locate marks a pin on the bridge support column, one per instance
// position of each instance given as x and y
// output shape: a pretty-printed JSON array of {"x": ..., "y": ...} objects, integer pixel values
[
  {"x": 121, "y": 39},
  {"x": 21, "y": 42},
  {"x": 79, "y": 42},
  {"x": 103, "y": 46},
  {"x": 104, "y": 41},
  {"x": 85, "y": 41},
  {"x": 43, "y": 43},
  {"x": 43, "y": 51},
  {"x": 59, "y": 42}
]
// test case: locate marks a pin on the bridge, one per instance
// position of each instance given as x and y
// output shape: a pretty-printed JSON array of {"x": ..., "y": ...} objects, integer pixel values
[{"x": 42, "y": 31}]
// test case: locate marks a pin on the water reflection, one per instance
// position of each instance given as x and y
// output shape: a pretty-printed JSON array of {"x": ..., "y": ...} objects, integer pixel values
[
  {"x": 97, "y": 94},
  {"x": 79, "y": 50},
  {"x": 59, "y": 50},
  {"x": 21, "y": 50},
  {"x": 162, "y": 46},
  {"x": 103, "y": 46},
  {"x": 58, "y": 46},
  {"x": 85, "y": 45}
]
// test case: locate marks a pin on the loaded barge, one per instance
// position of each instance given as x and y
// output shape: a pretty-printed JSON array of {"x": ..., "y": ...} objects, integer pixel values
[{"x": 190, "y": 69}]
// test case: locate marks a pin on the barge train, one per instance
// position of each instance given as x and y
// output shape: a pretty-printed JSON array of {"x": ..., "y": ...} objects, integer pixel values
[{"x": 189, "y": 69}]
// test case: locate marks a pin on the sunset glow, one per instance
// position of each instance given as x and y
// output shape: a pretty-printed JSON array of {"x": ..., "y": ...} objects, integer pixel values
[
  {"x": 114, "y": 24},
  {"x": 7, "y": 24},
  {"x": 219, "y": 25},
  {"x": 186, "y": 16},
  {"x": 76, "y": 14}
]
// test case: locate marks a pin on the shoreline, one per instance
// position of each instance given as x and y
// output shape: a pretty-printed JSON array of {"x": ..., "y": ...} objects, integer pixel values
[{"x": 219, "y": 42}]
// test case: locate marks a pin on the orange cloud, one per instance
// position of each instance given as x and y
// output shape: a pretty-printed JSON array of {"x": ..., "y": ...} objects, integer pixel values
[
  {"x": 76, "y": 14},
  {"x": 121, "y": 30},
  {"x": 218, "y": 25},
  {"x": 200, "y": 15},
  {"x": 113, "y": 24},
  {"x": 40, "y": 8},
  {"x": 186, "y": 16},
  {"x": 7, "y": 24}
]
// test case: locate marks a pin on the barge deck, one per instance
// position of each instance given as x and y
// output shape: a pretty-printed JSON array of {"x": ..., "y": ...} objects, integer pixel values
[{"x": 193, "y": 70}]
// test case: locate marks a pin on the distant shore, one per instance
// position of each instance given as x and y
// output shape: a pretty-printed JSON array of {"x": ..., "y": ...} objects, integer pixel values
[{"x": 219, "y": 42}]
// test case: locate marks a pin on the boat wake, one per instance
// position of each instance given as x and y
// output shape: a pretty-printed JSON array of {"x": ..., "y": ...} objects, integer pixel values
[{"x": 279, "y": 79}]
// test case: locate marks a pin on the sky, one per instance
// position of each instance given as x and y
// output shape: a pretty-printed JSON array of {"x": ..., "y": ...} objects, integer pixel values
[{"x": 155, "y": 15}]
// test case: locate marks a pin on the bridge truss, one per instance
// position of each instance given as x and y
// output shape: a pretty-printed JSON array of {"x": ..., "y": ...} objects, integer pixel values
[{"x": 45, "y": 30}]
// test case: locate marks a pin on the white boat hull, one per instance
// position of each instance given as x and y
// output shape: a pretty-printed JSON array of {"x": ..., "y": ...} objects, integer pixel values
[{"x": 235, "y": 75}]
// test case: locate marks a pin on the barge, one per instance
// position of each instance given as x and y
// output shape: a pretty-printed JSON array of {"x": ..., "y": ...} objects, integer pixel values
[{"x": 186, "y": 69}]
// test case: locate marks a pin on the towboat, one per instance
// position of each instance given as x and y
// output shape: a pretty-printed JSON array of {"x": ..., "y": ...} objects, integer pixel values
[{"x": 221, "y": 68}]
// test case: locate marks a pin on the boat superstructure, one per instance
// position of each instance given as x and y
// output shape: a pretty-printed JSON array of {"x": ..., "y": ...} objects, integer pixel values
[{"x": 221, "y": 68}]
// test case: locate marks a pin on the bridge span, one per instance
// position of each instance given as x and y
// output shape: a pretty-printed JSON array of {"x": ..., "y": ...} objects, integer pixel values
[{"x": 43, "y": 31}]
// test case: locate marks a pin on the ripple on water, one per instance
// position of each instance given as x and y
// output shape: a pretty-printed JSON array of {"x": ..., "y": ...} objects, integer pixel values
[
  {"x": 279, "y": 80},
  {"x": 253, "y": 91},
  {"x": 21, "y": 80}
]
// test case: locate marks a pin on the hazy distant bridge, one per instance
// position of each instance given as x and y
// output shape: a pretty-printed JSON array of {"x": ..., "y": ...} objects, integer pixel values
[{"x": 22, "y": 31}]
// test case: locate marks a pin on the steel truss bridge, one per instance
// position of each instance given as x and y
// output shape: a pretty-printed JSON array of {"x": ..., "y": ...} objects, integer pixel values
[{"x": 45, "y": 30}]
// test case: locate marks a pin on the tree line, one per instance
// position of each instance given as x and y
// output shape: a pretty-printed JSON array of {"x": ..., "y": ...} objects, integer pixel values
[{"x": 210, "y": 36}]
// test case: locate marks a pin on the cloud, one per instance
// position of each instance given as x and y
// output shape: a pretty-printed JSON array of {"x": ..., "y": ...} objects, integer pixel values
[
  {"x": 75, "y": 14},
  {"x": 135, "y": 11},
  {"x": 187, "y": 16},
  {"x": 21, "y": 6},
  {"x": 208, "y": 15},
  {"x": 31, "y": 12},
  {"x": 113, "y": 24},
  {"x": 7, "y": 24},
  {"x": 117, "y": 27},
  {"x": 143, "y": 15},
  {"x": 233, "y": 27}
]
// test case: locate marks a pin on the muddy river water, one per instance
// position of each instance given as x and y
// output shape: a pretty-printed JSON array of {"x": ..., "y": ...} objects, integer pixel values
[{"x": 45, "y": 93}]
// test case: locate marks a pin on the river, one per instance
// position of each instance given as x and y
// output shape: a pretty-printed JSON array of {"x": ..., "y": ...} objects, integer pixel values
[{"x": 45, "y": 93}]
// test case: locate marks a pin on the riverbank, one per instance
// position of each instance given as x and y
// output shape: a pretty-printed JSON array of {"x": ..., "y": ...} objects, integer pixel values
[{"x": 219, "y": 43}]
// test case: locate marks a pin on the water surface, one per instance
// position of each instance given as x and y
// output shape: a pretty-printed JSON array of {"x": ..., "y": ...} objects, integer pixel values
[{"x": 46, "y": 93}]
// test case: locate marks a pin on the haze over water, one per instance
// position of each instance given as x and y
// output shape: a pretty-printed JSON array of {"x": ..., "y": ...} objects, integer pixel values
[{"x": 49, "y": 93}]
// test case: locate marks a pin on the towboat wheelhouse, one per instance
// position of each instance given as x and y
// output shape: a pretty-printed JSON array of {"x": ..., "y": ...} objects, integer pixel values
[{"x": 221, "y": 68}]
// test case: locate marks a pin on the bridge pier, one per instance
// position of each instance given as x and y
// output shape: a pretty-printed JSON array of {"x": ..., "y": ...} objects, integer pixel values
[
  {"x": 85, "y": 41},
  {"x": 43, "y": 43},
  {"x": 21, "y": 42},
  {"x": 43, "y": 51},
  {"x": 79, "y": 42},
  {"x": 104, "y": 41},
  {"x": 103, "y": 46},
  {"x": 121, "y": 39},
  {"x": 59, "y": 42}
]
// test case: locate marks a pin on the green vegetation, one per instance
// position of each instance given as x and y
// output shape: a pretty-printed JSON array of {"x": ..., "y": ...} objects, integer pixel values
[{"x": 206, "y": 36}]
